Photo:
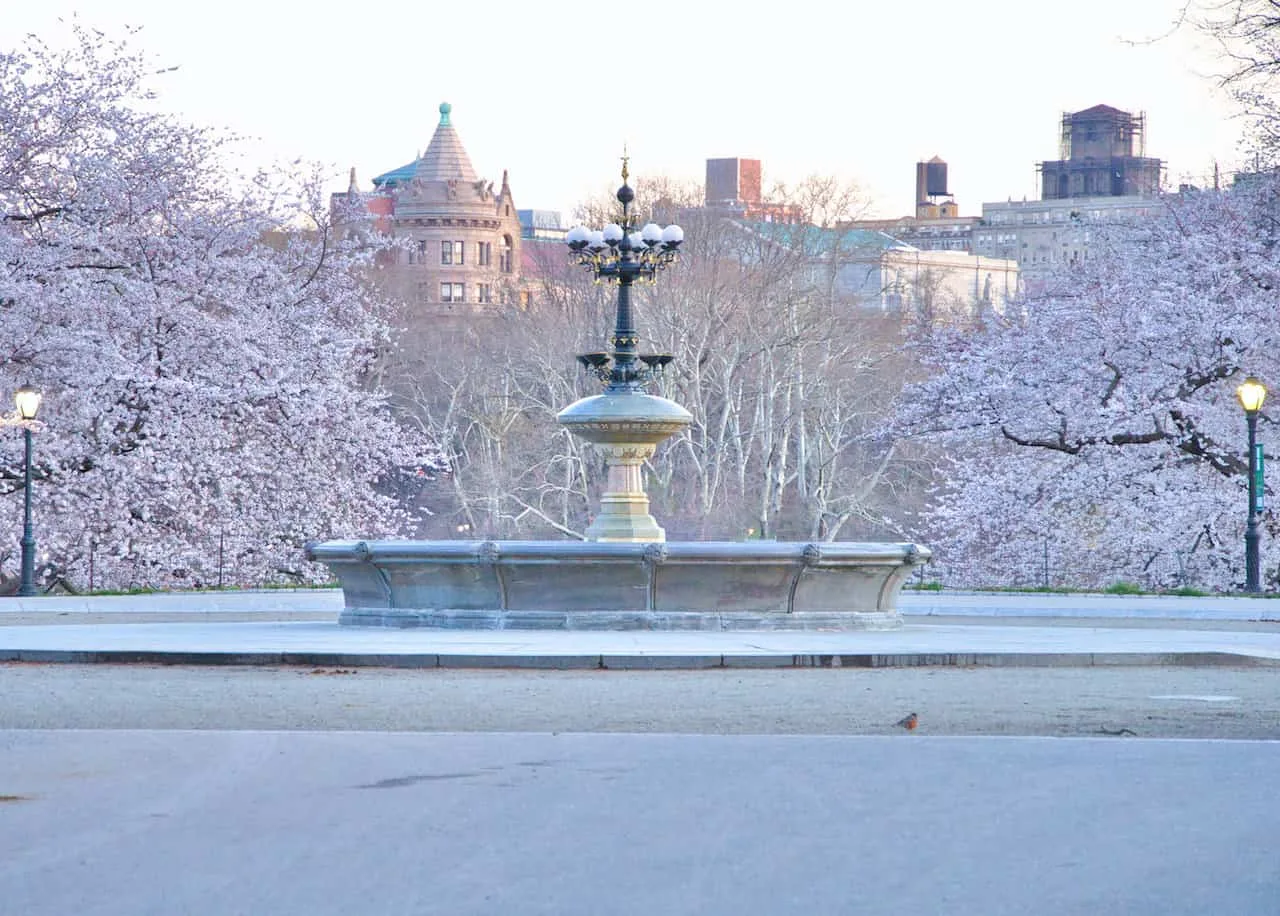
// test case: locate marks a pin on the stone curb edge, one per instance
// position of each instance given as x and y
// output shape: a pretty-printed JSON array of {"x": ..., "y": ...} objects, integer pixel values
[{"x": 643, "y": 662}]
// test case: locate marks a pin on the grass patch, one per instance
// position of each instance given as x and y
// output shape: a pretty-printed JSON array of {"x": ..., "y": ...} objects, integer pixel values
[
  {"x": 268, "y": 586},
  {"x": 1032, "y": 589},
  {"x": 1122, "y": 588}
]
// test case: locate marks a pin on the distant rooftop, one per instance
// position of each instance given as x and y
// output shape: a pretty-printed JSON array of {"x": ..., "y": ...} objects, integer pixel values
[
  {"x": 396, "y": 176},
  {"x": 815, "y": 241},
  {"x": 540, "y": 219},
  {"x": 445, "y": 158}
]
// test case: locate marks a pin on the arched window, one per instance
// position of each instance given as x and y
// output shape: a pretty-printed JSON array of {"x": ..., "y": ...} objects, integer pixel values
[{"x": 506, "y": 256}]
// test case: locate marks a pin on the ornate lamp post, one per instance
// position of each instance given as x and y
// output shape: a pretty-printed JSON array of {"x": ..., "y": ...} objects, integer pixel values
[
  {"x": 619, "y": 254},
  {"x": 625, "y": 422},
  {"x": 28, "y": 402},
  {"x": 1251, "y": 395}
]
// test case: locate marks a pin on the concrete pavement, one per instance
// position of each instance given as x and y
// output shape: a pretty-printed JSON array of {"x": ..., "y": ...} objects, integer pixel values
[
  {"x": 320, "y": 643},
  {"x": 138, "y": 823},
  {"x": 911, "y": 603},
  {"x": 111, "y": 822},
  {"x": 299, "y": 627}
]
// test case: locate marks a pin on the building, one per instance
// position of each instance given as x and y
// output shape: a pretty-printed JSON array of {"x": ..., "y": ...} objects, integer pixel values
[
  {"x": 1103, "y": 153},
  {"x": 931, "y": 184},
  {"x": 460, "y": 240},
  {"x": 733, "y": 182},
  {"x": 733, "y": 189},
  {"x": 938, "y": 233},
  {"x": 1103, "y": 177},
  {"x": 1041, "y": 233},
  {"x": 542, "y": 224},
  {"x": 876, "y": 271},
  {"x": 937, "y": 224}
]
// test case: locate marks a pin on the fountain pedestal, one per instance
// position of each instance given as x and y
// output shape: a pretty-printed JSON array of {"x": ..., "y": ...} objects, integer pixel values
[{"x": 627, "y": 425}]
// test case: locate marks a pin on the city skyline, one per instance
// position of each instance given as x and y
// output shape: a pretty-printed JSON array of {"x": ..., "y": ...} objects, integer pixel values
[{"x": 858, "y": 95}]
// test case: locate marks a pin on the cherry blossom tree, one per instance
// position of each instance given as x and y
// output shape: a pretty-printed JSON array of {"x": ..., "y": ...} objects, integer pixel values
[
  {"x": 201, "y": 337},
  {"x": 1100, "y": 419}
]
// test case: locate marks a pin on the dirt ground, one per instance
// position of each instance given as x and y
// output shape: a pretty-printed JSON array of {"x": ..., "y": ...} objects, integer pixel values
[{"x": 1127, "y": 702}]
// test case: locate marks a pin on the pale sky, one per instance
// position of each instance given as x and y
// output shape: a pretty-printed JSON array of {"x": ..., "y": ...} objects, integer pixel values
[{"x": 552, "y": 91}]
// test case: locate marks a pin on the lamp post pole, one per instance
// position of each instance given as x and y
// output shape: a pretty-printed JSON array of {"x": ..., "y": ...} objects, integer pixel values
[
  {"x": 1251, "y": 579},
  {"x": 27, "y": 588},
  {"x": 28, "y": 403},
  {"x": 1251, "y": 395}
]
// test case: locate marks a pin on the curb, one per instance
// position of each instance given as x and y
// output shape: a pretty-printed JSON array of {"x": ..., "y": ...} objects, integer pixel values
[{"x": 643, "y": 662}]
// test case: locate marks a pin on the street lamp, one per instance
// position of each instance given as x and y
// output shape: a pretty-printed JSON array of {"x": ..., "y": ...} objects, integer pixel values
[
  {"x": 621, "y": 254},
  {"x": 1251, "y": 395},
  {"x": 28, "y": 402}
]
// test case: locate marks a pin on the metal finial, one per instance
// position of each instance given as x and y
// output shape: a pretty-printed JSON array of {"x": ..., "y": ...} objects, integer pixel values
[
  {"x": 625, "y": 157},
  {"x": 445, "y": 109}
]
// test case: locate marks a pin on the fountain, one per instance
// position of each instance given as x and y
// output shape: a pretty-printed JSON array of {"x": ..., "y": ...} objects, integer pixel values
[{"x": 625, "y": 575}]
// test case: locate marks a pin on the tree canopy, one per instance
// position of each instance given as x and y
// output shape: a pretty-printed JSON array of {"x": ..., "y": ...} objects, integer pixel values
[
  {"x": 1100, "y": 417},
  {"x": 201, "y": 338}
]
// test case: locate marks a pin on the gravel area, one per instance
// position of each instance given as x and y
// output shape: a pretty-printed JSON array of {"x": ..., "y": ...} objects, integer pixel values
[{"x": 1141, "y": 702}]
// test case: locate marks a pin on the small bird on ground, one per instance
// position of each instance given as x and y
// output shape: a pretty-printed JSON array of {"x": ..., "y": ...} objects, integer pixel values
[{"x": 908, "y": 722}]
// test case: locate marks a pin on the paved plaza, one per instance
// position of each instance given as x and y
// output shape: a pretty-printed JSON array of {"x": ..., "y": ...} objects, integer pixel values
[
  {"x": 261, "y": 759},
  {"x": 301, "y": 628},
  {"x": 136, "y": 823}
]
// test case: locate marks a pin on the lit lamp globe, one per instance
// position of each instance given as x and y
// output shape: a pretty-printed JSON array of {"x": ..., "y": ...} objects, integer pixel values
[
  {"x": 28, "y": 402},
  {"x": 578, "y": 238},
  {"x": 1251, "y": 394}
]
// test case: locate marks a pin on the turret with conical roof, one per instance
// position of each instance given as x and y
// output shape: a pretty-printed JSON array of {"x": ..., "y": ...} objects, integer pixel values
[
  {"x": 445, "y": 157},
  {"x": 462, "y": 251}
]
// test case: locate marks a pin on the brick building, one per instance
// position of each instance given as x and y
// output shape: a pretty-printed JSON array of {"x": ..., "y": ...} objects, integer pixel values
[{"x": 462, "y": 237}]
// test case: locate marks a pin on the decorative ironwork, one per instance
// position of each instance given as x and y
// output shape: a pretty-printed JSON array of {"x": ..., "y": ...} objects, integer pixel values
[{"x": 621, "y": 254}]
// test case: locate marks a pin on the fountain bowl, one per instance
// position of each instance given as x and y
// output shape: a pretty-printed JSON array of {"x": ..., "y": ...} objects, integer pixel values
[{"x": 598, "y": 585}]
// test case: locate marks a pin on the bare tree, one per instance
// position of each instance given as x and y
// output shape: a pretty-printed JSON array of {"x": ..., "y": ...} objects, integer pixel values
[
  {"x": 1247, "y": 33},
  {"x": 786, "y": 378}
]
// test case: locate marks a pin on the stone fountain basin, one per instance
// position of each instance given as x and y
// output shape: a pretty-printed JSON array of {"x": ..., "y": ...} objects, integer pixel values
[
  {"x": 625, "y": 417},
  {"x": 576, "y": 585}
]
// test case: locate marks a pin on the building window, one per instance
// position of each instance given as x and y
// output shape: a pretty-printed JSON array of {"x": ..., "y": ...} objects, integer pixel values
[
  {"x": 484, "y": 253},
  {"x": 506, "y": 256},
  {"x": 451, "y": 292},
  {"x": 484, "y": 292},
  {"x": 451, "y": 253}
]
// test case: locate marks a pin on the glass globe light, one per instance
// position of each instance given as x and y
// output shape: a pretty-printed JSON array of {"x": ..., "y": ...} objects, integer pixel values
[
  {"x": 672, "y": 236},
  {"x": 613, "y": 234},
  {"x": 1251, "y": 394},
  {"x": 28, "y": 402},
  {"x": 651, "y": 234}
]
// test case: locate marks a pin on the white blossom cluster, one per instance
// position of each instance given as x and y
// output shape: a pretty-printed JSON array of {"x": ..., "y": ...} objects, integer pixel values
[
  {"x": 202, "y": 340},
  {"x": 1099, "y": 419}
]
